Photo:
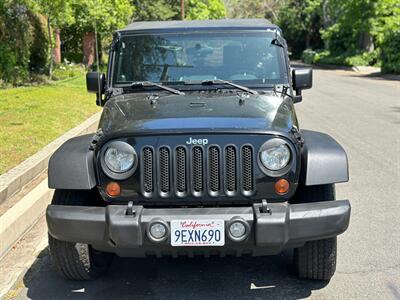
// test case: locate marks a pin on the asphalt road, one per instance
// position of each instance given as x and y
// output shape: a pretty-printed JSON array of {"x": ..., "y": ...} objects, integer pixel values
[{"x": 363, "y": 114}]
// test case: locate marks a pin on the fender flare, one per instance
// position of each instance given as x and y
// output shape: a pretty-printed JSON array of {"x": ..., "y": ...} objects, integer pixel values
[
  {"x": 71, "y": 167},
  {"x": 323, "y": 160}
]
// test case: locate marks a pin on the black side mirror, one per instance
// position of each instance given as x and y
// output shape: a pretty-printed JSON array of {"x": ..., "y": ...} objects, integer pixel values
[
  {"x": 95, "y": 83},
  {"x": 302, "y": 80}
]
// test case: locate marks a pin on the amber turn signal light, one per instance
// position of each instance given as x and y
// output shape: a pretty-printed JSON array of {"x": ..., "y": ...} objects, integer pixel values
[
  {"x": 282, "y": 186},
  {"x": 113, "y": 189}
]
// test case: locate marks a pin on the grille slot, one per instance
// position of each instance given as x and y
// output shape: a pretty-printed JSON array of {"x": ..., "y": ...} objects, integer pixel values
[
  {"x": 180, "y": 175},
  {"x": 147, "y": 170},
  {"x": 197, "y": 170},
  {"x": 164, "y": 170},
  {"x": 214, "y": 170},
  {"x": 230, "y": 170},
  {"x": 247, "y": 170}
]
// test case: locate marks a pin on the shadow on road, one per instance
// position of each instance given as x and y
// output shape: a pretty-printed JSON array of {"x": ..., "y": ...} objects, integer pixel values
[{"x": 183, "y": 278}]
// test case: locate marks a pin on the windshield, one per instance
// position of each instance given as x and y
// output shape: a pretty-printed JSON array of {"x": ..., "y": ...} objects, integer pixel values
[{"x": 243, "y": 57}]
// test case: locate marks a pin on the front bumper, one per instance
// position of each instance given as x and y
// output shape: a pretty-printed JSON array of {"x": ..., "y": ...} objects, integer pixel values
[{"x": 285, "y": 226}]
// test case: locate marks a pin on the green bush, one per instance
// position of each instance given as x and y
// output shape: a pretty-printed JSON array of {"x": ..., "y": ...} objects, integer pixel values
[
  {"x": 390, "y": 54},
  {"x": 347, "y": 58},
  {"x": 23, "y": 43},
  {"x": 39, "y": 46},
  {"x": 309, "y": 56}
]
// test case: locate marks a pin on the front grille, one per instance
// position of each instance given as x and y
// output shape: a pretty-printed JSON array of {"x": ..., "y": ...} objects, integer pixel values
[{"x": 197, "y": 170}]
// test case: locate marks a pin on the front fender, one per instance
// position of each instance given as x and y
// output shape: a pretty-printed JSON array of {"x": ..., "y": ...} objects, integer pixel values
[
  {"x": 323, "y": 160},
  {"x": 71, "y": 166}
]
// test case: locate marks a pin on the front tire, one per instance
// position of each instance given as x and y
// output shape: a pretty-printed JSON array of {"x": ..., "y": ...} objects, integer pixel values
[
  {"x": 77, "y": 261},
  {"x": 316, "y": 259}
]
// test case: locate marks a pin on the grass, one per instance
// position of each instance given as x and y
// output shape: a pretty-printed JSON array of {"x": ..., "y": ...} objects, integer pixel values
[{"x": 31, "y": 117}]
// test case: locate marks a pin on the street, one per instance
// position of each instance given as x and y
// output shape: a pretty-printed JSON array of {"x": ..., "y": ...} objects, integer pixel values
[{"x": 362, "y": 114}]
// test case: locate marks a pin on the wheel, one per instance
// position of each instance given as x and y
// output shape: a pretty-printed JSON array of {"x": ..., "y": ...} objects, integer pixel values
[
  {"x": 77, "y": 261},
  {"x": 316, "y": 259}
]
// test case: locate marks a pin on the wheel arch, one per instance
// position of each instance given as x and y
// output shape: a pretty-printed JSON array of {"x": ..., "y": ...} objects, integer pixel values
[
  {"x": 71, "y": 167},
  {"x": 323, "y": 160}
]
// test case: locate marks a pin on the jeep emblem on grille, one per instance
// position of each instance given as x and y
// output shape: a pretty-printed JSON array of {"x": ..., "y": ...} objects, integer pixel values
[{"x": 193, "y": 141}]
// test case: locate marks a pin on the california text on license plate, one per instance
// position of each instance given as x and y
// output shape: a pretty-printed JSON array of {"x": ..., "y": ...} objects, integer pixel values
[{"x": 197, "y": 233}]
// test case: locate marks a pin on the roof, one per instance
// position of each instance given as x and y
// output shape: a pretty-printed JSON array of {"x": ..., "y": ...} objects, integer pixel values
[{"x": 200, "y": 24}]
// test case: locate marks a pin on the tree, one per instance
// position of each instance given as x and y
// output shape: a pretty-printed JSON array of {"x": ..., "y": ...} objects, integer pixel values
[
  {"x": 58, "y": 13},
  {"x": 253, "y": 9},
  {"x": 100, "y": 17},
  {"x": 205, "y": 9},
  {"x": 301, "y": 21},
  {"x": 156, "y": 10}
]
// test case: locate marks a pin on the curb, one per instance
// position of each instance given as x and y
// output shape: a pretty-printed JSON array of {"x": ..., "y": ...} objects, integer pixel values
[
  {"x": 15, "y": 222},
  {"x": 12, "y": 181},
  {"x": 19, "y": 218}
]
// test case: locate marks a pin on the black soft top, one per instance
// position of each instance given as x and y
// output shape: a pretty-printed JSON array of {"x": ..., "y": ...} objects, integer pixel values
[{"x": 225, "y": 24}]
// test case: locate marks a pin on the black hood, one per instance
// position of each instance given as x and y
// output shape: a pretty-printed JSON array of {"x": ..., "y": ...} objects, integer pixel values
[{"x": 133, "y": 114}]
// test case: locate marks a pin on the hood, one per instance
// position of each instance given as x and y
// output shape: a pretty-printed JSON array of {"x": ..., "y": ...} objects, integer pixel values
[{"x": 133, "y": 114}]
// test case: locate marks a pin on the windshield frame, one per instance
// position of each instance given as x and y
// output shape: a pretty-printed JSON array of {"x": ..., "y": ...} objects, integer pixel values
[{"x": 284, "y": 64}]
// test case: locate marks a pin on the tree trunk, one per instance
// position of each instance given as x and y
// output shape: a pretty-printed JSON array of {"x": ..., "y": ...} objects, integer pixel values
[
  {"x": 89, "y": 45},
  {"x": 366, "y": 42},
  {"x": 57, "y": 47},
  {"x": 51, "y": 48},
  {"x": 308, "y": 40},
  {"x": 326, "y": 19},
  {"x": 182, "y": 9}
]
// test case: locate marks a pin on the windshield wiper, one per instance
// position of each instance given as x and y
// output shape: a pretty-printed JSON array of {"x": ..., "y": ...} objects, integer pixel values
[
  {"x": 220, "y": 81},
  {"x": 155, "y": 84}
]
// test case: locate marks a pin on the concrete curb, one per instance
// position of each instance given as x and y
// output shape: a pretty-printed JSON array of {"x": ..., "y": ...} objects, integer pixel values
[
  {"x": 18, "y": 219},
  {"x": 22, "y": 216},
  {"x": 13, "y": 181}
]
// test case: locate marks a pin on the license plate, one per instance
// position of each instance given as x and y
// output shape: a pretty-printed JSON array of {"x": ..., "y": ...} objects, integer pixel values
[{"x": 192, "y": 233}]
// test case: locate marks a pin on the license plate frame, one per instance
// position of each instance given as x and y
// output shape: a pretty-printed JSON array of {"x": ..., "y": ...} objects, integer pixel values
[{"x": 198, "y": 233}]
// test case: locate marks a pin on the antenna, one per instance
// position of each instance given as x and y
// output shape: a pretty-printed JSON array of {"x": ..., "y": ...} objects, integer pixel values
[{"x": 97, "y": 62}]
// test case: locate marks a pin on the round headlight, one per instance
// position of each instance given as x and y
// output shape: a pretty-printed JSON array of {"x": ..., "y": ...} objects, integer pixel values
[
  {"x": 276, "y": 157},
  {"x": 118, "y": 160}
]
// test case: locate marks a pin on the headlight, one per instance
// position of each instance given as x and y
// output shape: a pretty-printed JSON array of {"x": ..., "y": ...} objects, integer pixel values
[
  {"x": 119, "y": 160},
  {"x": 276, "y": 157}
]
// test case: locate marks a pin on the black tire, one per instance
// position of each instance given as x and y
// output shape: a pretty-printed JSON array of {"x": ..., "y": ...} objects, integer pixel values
[
  {"x": 77, "y": 261},
  {"x": 316, "y": 259}
]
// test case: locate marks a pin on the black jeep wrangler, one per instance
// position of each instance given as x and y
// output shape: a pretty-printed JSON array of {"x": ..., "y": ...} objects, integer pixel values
[{"x": 198, "y": 152}]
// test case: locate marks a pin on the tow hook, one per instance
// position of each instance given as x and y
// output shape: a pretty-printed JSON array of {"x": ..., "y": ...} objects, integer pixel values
[
  {"x": 129, "y": 210},
  {"x": 264, "y": 207}
]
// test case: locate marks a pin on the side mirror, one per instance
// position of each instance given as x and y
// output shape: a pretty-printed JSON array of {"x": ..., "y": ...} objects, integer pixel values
[
  {"x": 302, "y": 80},
  {"x": 95, "y": 83}
]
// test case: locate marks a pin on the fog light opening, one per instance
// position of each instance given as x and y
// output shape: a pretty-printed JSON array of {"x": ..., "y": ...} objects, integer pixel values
[
  {"x": 158, "y": 231},
  {"x": 238, "y": 229}
]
